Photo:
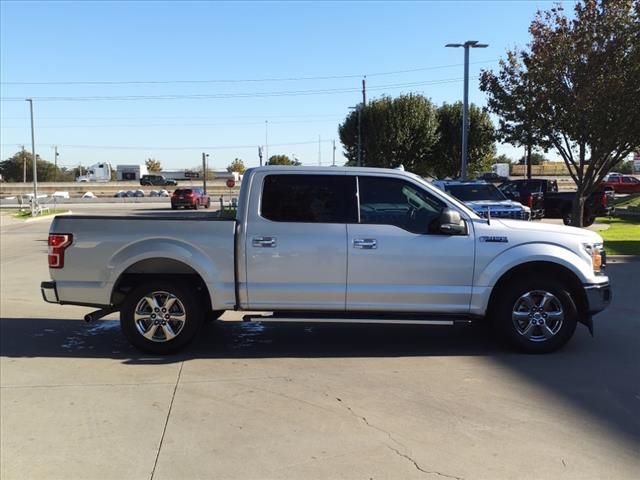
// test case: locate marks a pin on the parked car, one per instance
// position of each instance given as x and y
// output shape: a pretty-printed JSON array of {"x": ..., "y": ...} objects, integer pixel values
[
  {"x": 485, "y": 199},
  {"x": 526, "y": 194},
  {"x": 138, "y": 193},
  {"x": 559, "y": 204},
  {"x": 157, "y": 180},
  {"x": 120, "y": 194},
  {"x": 621, "y": 183},
  {"x": 190, "y": 198},
  {"x": 325, "y": 244}
]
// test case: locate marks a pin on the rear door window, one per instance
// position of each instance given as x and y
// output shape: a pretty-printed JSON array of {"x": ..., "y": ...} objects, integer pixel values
[{"x": 309, "y": 199}]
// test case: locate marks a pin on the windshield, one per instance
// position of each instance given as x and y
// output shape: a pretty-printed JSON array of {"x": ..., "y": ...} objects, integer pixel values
[{"x": 472, "y": 193}]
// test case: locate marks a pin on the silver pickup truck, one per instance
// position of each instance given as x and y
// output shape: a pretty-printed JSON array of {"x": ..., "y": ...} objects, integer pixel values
[{"x": 330, "y": 244}]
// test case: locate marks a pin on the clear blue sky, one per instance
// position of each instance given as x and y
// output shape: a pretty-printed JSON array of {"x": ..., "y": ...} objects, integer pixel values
[{"x": 203, "y": 41}]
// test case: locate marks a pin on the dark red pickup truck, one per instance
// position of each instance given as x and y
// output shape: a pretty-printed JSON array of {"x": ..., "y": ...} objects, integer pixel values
[{"x": 559, "y": 204}]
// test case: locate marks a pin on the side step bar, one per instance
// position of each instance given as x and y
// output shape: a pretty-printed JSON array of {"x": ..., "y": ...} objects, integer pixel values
[{"x": 344, "y": 318}]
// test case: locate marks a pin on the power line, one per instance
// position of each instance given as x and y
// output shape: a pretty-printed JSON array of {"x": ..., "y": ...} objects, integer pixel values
[
  {"x": 284, "y": 93},
  {"x": 130, "y": 147},
  {"x": 177, "y": 117},
  {"x": 245, "y": 80}
]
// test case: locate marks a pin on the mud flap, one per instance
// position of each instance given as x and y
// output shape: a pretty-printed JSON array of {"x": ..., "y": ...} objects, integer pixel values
[{"x": 587, "y": 320}]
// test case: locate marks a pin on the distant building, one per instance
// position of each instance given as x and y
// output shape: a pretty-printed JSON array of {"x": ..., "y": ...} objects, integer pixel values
[
  {"x": 195, "y": 175},
  {"x": 126, "y": 173}
]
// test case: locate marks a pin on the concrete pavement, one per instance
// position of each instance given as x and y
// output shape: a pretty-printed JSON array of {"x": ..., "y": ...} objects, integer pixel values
[{"x": 307, "y": 401}]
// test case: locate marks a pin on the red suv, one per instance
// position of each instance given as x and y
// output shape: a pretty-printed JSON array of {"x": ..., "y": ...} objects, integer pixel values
[
  {"x": 190, "y": 198},
  {"x": 622, "y": 183}
]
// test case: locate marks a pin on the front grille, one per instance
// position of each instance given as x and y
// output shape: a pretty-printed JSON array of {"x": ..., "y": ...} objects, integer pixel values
[{"x": 512, "y": 214}]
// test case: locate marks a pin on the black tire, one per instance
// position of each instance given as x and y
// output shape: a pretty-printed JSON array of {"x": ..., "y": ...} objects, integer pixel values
[
  {"x": 588, "y": 221},
  {"x": 196, "y": 205},
  {"x": 567, "y": 217},
  {"x": 208, "y": 204},
  {"x": 520, "y": 325},
  {"x": 173, "y": 207},
  {"x": 185, "y": 306}
]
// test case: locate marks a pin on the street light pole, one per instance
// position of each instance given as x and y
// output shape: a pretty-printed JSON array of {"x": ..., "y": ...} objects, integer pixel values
[
  {"x": 205, "y": 171},
  {"x": 465, "y": 107},
  {"x": 34, "y": 161}
]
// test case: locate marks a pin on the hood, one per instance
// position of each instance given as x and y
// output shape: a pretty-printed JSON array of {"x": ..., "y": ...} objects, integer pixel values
[{"x": 587, "y": 235}]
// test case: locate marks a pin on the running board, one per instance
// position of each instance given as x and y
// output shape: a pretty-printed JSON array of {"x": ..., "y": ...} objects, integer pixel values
[{"x": 377, "y": 319}]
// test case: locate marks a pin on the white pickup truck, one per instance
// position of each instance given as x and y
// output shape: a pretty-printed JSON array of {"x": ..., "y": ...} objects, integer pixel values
[{"x": 330, "y": 244}]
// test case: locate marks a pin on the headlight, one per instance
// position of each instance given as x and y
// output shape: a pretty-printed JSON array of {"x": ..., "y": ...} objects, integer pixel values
[{"x": 597, "y": 255}]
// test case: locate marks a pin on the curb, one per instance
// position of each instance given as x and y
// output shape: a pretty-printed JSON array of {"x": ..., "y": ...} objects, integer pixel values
[{"x": 47, "y": 217}]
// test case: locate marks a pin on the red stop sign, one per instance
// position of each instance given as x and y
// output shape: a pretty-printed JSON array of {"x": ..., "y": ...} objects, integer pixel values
[{"x": 231, "y": 183}]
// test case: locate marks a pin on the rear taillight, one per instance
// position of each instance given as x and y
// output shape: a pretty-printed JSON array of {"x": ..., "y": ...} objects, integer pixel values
[
  {"x": 530, "y": 201},
  {"x": 58, "y": 243}
]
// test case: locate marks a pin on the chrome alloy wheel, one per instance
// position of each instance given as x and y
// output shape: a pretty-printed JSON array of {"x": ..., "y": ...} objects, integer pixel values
[
  {"x": 538, "y": 315},
  {"x": 159, "y": 316}
]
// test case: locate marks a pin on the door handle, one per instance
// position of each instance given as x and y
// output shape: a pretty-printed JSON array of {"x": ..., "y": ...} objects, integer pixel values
[
  {"x": 365, "y": 243},
  {"x": 269, "y": 242}
]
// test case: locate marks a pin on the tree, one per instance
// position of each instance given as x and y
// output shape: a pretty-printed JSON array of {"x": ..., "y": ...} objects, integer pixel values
[
  {"x": 582, "y": 76},
  {"x": 535, "y": 158},
  {"x": 502, "y": 158},
  {"x": 153, "y": 165},
  {"x": 282, "y": 160},
  {"x": 510, "y": 97},
  {"x": 12, "y": 169},
  {"x": 446, "y": 161},
  {"x": 236, "y": 166},
  {"x": 395, "y": 131}
]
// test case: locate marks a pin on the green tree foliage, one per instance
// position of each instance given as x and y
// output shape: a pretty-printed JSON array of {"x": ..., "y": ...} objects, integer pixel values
[
  {"x": 395, "y": 131},
  {"x": 502, "y": 159},
  {"x": 448, "y": 151},
  {"x": 581, "y": 76},
  {"x": 282, "y": 160},
  {"x": 535, "y": 158},
  {"x": 236, "y": 166},
  {"x": 153, "y": 165},
  {"x": 12, "y": 169}
]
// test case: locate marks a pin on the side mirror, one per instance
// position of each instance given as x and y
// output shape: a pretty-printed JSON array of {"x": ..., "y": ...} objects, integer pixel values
[{"x": 451, "y": 223}]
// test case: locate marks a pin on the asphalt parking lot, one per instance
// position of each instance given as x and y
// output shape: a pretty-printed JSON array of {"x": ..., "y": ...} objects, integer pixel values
[{"x": 293, "y": 401}]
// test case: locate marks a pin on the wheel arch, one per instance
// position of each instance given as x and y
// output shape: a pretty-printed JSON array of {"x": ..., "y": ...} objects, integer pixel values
[
  {"x": 155, "y": 268},
  {"x": 547, "y": 268}
]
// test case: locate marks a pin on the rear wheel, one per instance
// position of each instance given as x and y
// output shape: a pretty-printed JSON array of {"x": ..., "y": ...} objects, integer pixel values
[
  {"x": 160, "y": 317},
  {"x": 535, "y": 315},
  {"x": 208, "y": 204},
  {"x": 196, "y": 205}
]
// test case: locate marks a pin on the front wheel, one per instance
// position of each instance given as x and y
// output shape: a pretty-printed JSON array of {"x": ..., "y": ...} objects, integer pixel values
[
  {"x": 535, "y": 315},
  {"x": 160, "y": 317},
  {"x": 208, "y": 204}
]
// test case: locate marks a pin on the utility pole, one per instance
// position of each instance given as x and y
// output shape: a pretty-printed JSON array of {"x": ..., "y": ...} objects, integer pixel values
[
  {"x": 55, "y": 159},
  {"x": 260, "y": 154},
  {"x": 334, "y": 152},
  {"x": 33, "y": 161},
  {"x": 205, "y": 171},
  {"x": 24, "y": 165},
  {"x": 359, "y": 135},
  {"x": 319, "y": 151},
  {"x": 266, "y": 139},
  {"x": 465, "y": 109},
  {"x": 364, "y": 90}
]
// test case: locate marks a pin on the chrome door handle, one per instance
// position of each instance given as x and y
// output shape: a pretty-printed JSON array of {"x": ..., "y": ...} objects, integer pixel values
[
  {"x": 264, "y": 242},
  {"x": 365, "y": 243}
]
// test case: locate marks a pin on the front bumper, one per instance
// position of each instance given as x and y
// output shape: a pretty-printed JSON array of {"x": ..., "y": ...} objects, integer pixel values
[
  {"x": 598, "y": 297},
  {"x": 49, "y": 292}
]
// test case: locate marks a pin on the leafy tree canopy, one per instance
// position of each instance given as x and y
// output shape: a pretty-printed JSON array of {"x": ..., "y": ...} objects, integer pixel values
[
  {"x": 153, "y": 165},
  {"x": 536, "y": 159},
  {"x": 481, "y": 147},
  {"x": 12, "y": 169},
  {"x": 236, "y": 166},
  {"x": 282, "y": 160}
]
